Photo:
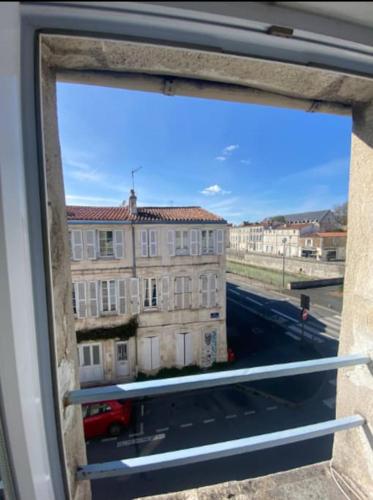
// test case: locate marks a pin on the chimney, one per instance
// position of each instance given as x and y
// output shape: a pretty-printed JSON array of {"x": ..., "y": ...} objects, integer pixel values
[{"x": 132, "y": 203}]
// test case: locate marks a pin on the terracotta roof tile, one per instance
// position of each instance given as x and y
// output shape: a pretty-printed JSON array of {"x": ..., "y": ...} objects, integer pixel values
[{"x": 144, "y": 214}]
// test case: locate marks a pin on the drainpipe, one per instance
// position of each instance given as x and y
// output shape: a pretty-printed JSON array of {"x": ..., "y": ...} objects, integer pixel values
[{"x": 134, "y": 272}]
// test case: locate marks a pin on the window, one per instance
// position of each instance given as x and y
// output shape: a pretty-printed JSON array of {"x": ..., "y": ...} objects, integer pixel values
[
  {"x": 149, "y": 243},
  {"x": 208, "y": 290},
  {"x": 106, "y": 243},
  {"x": 208, "y": 241},
  {"x": 183, "y": 292},
  {"x": 150, "y": 293},
  {"x": 181, "y": 243},
  {"x": 108, "y": 296},
  {"x": 74, "y": 301}
]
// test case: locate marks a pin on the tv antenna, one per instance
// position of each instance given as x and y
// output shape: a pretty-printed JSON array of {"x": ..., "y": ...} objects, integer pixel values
[{"x": 133, "y": 176}]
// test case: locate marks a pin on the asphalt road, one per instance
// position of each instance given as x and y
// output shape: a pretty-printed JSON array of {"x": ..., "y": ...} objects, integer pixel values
[{"x": 208, "y": 416}]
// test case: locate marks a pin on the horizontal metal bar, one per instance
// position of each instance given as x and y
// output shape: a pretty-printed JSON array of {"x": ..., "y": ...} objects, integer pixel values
[
  {"x": 214, "y": 379},
  {"x": 214, "y": 451}
]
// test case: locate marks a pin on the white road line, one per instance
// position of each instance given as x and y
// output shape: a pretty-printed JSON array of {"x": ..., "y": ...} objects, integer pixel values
[
  {"x": 246, "y": 298},
  {"x": 330, "y": 402},
  {"x": 209, "y": 420},
  {"x": 295, "y": 337},
  {"x": 142, "y": 410},
  {"x": 333, "y": 382},
  {"x": 250, "y": 412},
  {"x": 140, "y": 433},
  {"x": 307, "y": 333},
  {"x": 240, "y": 304},
  {"x": 162, "y": 430},
  {"x": 189, "y": 424},
  {"x": 230, "y": 416},
  {"x": 284, "y": 315},
  {"x": 331, "y": 322},
  {"x": 108, "y": 439},
  {"x": 270, "y": 408},
  {"x": 140, "y": 440}
]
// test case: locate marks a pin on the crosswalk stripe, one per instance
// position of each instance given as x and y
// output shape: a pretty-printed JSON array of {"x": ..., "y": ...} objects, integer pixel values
[
  {"x": 320, "y": 329},
  {"x": 331, "y": 322},
  {"x": 308, "y": 334},
  {"x": 295, "y": 337}
]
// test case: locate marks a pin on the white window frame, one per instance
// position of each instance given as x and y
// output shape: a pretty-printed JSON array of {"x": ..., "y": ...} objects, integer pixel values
[
  {"x": 210, "y": 247},
  {"x": 110, "y": 299},
  {"x": 186, "y": 292},
  {"x": 147, "y": 285},
  {"x": 103, "y": 256},
  {"x": 184, "y": 249}
]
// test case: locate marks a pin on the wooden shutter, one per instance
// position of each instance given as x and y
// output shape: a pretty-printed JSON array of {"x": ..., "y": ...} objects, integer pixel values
[
  {"x": 165, "y": 291},
  {"x": 153, "y": 244},
  {"x": 194, "y": 245},
  {"x": 171, "y": 242},
  {"x": 188, "y": 343},
  {"x": 77, "y": 244},
  {"x": 135, "y": 295},
  {"x": 179, "y": 293},
  {"x": 220, "y": 241},
  {"x": 90, "y": 244},
  {"x": 121, "y": 296},
  {"x": 118, "y": 243},
  {"x": 93, "y": 298},
  {"x": 155, "y": 353},
  {"x": 71, "y": 246},
  {"x": 212, "y": 290},
  {"x": 80, "y": 298},
  {"x": 144, "y": 242},
  {"x": 145, "y": 354},
  {"x": 187, "y": 292},
  {"x": 179, "y": 337},
  {"x": 204, "y": 291}
]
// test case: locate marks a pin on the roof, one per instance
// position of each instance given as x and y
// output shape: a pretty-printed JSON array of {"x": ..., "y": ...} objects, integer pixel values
[
  {"x": 294, "y": 226},
  {"x": 327, "y": 234},
  {"x": 144, "y": 214},
  {"x": 303, "y": 216}
]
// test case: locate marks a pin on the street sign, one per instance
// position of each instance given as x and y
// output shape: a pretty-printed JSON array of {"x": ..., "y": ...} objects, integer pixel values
[
  {"x": 305, "y": 301},
  {"x": 304, "y": 314}
]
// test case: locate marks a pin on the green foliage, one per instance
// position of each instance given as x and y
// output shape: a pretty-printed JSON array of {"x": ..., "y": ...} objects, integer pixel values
[
  {"x": 262, "y": 274},
  {"x": 181, "y": 372},
  {"x": 122, "y": 332}
]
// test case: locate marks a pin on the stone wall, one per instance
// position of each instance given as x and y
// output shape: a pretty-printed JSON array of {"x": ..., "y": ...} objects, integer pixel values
[{"x": 294, "y": 265}]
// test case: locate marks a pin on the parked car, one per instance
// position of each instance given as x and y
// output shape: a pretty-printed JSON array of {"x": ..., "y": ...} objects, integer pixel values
[{"x": 107, "y": 417}]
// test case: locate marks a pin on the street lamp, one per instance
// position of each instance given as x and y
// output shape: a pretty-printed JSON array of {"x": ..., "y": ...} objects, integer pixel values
[{"x": 283, "y": 263}]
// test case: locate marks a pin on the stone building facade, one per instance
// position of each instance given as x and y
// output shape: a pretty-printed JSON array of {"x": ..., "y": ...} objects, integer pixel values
[
  {"x": 324, "y": 245},
  {"x": 285, "y": 238},
  {"x": 247, "y": 237},
  {"x": 164, "y": 266}
]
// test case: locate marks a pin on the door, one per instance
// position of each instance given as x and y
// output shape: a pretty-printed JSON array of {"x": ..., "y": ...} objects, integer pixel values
[
  {"x": 209, "y": 349},
  {"x": 184, "y": 349},
  {"x": 90, "y": 363},
  {"x": 121, "y": 357}
]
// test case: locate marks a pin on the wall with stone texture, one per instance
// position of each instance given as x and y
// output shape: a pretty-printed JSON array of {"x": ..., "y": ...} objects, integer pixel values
[{"x": 292, "y": 265}]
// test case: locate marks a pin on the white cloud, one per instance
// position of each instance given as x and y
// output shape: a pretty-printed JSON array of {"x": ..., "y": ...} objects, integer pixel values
[
  {"x": 213, "y": 190},
  {"x": 220, "y": 158},
  {"x": 227, "y": 152}
]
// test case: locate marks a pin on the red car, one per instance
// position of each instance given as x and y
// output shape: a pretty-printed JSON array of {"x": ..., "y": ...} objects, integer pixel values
[{"x": 107, "y": 417}]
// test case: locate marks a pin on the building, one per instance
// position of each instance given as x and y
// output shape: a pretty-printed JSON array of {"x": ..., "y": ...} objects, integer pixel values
[
  {"x": 286, "y": 238},
  {"x": 324, "y": 219},
  {"x": 324, "y": 245},
  {"x": 248, "y": 237},
  {"x": 160, "y": 267}
]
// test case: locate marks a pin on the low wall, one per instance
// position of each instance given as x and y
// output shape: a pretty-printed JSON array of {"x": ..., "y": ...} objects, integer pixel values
[
  {"x": 296, "y": 265},
  {"x": 297, "y": 285}
]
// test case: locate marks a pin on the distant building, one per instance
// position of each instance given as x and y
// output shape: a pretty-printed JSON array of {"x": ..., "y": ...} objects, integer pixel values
[
  {"x": 286, "y": 238},
  {"x": 325, "y": 219},
  {"x": 324, "y": 245},
  {"x": 248, "y": 237}
]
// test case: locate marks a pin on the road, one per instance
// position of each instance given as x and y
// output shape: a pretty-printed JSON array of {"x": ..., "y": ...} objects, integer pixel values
[{"x": 207, "y": 416}]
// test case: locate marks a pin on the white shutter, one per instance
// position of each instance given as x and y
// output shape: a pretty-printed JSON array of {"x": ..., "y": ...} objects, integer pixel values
[
  {"x": 187, "y": 292},
  {"x": 179, "y": 292},
  {"x": 171, "y": 242},
  {"x": 188, "y": 342},
  {"x": 155, "y": 353},
  {"x": 70, "y": 246},
  {"x": 77, "y": 244},
  {"x": 204, "y": 284},
  {"x": 153, "y": 246},
  {"x": 92, "y": 298},
  {"x": 145, "y": 354},
  {"x": 194, "y": 242},
  {"x": 179, "y": 349},
  {"x": 212, "y": 290},
  {"x": 90, "y": 244},
  {"x": 144, "y": 242},
  {"x": 80, "y": 298},
  {"x": 121, "y": 295},
  {"x": 165, "y": 290},
  {"x": 220, "y": 241},
  {"x": 135, "y": 296},
  {"x": 118, "y": 244}
]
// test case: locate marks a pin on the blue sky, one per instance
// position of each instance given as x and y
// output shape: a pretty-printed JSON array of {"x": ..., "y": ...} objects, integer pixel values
[{"x": 241, "y": 161}]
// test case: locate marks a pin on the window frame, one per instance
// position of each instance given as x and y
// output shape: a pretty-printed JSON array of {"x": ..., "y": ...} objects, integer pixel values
[
  {"x": 147, "y": 286},
  {"x": 105, "y": 255}
]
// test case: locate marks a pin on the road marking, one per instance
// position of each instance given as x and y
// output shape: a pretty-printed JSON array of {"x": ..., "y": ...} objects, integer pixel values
[
  {"x": 246, "y": 298},
  {"x": 270, "y": 408},
  {"x": 309, "y": 334},
  {"x": 242, "y": 305},
  {"x": 330, "y": 323},
  {"x": 250, "y": 412},
  {"x": 140, "y": 440},
  {"x": 140, "y": 433},
  {"x": 105, "y": 440},
  {"x": 189, "y": 424},
  {"x": 230, "y": 416},
  {"x": 142, "y": 410},
  {"x": 330, "y": 403},
  {"x": 284, "y": 315},
  {"x": 162, "y": 430},
  {"x": 295, "y": 337},
  {"x": 209, "y": 420},
  {"x": 333, "y": 382}
]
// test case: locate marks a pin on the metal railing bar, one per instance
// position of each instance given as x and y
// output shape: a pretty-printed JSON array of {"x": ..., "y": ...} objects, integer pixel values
[
  {"x": 213, "y": 379},
  {"x": 217, "y": 450}
]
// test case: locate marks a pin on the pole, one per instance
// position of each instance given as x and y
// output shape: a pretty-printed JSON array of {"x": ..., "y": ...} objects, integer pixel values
[{"x": 283, "y": 263}]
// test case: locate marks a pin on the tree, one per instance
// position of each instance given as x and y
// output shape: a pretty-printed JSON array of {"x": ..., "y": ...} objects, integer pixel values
[{"x": 340, "y": 212}]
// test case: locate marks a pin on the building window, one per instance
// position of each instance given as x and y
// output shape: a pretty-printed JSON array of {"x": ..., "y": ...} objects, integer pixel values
[
  {"x": 181, "y": 243},
  {"x": 208, "y": 241},
  {"x": 106, "y": 243},
  {"x": 74, "y": 302},
  {"x": 183, "y": 292},
  {"x": 209, "y": 290},
  {"x": 108, "y": 296},
  {"x": 150, "y": 293}
]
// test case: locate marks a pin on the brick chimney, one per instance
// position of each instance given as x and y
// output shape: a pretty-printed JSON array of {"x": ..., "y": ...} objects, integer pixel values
[{"x": 132, "y": 203}]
